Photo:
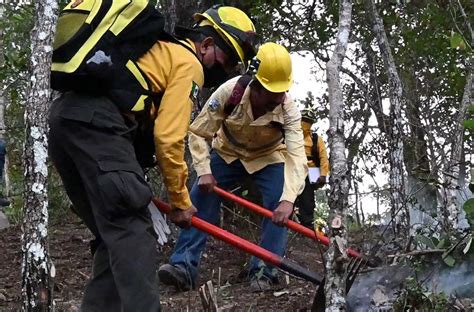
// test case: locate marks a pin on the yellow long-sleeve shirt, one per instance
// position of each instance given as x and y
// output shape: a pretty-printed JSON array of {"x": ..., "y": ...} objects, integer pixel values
[
  {"x": 175, "y": 72},
  {"x": 259, "y": 142},
  {"x": 321, "y": 148}
]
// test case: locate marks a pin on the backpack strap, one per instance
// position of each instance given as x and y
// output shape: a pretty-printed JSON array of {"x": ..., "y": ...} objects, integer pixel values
[
  {"x": 314, "y": 150},
  {"x": 237, "y": 94}
]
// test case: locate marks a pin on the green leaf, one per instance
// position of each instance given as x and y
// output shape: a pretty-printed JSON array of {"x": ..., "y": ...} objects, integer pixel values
[
  {"x": 441, "y": 244},
  {"x": 469, "y": 246},
  {"x": 449, "y": 260},
  {"x": 469, "y": 209},
  {"x": 425, "y": 241},
  {"x": 457, "y": 41},
  {"x": 245, "y": 193},
  {"x": 469, "y": 124}
]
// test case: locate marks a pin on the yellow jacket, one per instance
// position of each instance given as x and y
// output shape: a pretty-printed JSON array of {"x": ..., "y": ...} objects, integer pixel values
[
  {"x": 175, "y": 72},
  {"x": 308, "y": 146},
  {"x": 256, "y": 143}
]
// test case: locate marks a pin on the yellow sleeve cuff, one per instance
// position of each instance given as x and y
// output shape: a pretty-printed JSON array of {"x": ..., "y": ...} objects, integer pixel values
[{"x": 180, "y": 200}]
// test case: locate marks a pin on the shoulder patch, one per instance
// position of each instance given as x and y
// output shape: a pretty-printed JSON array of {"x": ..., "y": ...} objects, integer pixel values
[
  {"x": 214, "y": 105},
  {"x": 194, "y": 92}
]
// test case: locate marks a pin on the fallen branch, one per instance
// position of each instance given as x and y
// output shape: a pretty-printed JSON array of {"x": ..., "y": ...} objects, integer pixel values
[{"x": 418, "y": 253}]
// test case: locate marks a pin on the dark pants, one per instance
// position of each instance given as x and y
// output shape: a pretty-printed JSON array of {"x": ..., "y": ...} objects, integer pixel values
[
  {"x": 305, "y": 203},
  {"x": 90, "y": 144},
  {"x": 3, "y": 152}
]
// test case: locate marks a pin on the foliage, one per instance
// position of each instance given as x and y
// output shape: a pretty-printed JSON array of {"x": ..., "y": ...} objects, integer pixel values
[
  {"x": 416, "y": 297},
  {"x": 469, "y": 209},
  {"x": 17, "y": 23}
]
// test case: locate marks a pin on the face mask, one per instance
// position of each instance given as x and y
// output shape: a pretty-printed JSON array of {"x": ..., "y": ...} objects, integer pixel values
[{"x": 214, "y": 75}]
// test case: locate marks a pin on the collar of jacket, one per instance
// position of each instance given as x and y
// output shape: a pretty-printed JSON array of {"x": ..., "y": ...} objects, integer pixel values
[{"x": 246, "y": 106}]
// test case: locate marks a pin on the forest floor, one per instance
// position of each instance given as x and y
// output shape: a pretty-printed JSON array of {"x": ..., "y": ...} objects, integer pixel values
[{"x": 69, "y": 250}]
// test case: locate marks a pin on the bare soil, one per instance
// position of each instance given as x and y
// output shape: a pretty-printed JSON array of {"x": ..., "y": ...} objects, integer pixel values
[{"x": 69, "y": 249}]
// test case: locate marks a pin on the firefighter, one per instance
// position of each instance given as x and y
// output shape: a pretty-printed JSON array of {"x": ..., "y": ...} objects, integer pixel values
[
  {"x": 261, "y": 138},
  {"x": 91, "y": 146},
  {"x": 317, "y": 158}
]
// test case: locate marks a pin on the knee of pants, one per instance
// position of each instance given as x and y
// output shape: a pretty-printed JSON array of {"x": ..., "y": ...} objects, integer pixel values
[{"x": 123, "y": 192}]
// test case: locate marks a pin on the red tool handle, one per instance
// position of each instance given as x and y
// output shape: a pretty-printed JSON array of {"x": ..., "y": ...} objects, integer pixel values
[
  {"x": 291, "y": 224},
  {"x": 246, "y": 246}
]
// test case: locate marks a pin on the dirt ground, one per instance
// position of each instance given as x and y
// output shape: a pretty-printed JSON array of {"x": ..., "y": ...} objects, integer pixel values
[{"x": 69, "y": 250}]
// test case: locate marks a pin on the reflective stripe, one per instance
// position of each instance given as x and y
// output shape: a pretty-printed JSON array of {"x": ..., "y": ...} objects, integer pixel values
[
  {"x": 140, "y": 105},
  {"x": 127, "y": 15},
  {"x": 133, "y": 68},
  {"x": 94, "y": 11},
  {"x": 75, "y": 62}
]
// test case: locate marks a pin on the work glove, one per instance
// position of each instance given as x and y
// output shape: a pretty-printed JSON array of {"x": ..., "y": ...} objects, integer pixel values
[{"x": 159, "y": 224}]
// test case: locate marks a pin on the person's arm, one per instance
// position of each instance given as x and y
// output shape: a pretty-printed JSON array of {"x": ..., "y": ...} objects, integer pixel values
[
  {"x": 171, "y": 127},
  {"x": 296, "y": 164},
  {"x": 204, "y": 127}
]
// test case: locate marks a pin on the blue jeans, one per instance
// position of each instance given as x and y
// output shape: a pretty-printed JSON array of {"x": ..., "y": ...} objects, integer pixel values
[{"x": 191, "y": 242}]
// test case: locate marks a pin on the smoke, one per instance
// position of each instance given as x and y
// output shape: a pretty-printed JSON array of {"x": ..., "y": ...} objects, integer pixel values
[
  {"x": 457, "y": 281},
  {"x": 376, "y": 290}
]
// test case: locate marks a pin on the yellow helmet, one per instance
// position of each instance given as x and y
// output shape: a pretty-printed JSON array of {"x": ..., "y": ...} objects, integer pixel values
[
  {"x": 234, "y": 26},
  {"x": 274, "y": 71}
]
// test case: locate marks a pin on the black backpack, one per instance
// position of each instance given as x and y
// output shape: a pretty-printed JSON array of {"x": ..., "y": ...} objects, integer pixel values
[{"x": 97, "y": 45}]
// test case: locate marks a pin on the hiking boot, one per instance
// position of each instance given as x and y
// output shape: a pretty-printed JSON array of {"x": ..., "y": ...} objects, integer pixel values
[
  {"x": 4, "y": 202},
  {"x": 260, "y": 285},
  {"x": 174, "y": 276}
]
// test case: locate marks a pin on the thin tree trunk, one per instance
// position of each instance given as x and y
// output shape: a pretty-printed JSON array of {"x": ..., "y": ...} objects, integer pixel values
[
  {"x": 356, "y": 192},
  {"x": 378, "y": 202},
  {"x": 336, "y": 255},
  {"x": 36, "y": 265},
  {"x": 453, "y": 166},
  {"x": 452, "y": 170},
  {"x": 398, "y": 207},
  {"x": 3, "y": 105}
]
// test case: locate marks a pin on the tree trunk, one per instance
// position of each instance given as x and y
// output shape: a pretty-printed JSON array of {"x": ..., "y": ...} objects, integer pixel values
[
  {"x": 398, "y": 203},
  {"x": 3, "y": 105},
  {"x": 356, "y": 193},
  {"x": 180, "y": 12},
  {"x": 452, "y": 171},
  {"x": 336, "y": 255},
  {"x": 36, "y": 265}
]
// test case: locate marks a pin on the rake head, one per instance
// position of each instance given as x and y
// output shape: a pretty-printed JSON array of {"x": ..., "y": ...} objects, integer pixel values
[{"x": 353, "y": 268}]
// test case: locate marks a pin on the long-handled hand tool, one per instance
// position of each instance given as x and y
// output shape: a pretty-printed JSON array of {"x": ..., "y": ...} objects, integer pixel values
[
  {"x": 242, "y": 244},
  {"x": 291, "y": 224}
]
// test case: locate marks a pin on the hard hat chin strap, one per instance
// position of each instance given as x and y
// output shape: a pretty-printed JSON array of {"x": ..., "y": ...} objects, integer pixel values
[{"x": 253, "y": 66}]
